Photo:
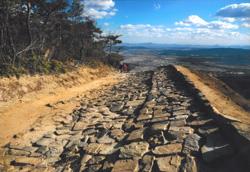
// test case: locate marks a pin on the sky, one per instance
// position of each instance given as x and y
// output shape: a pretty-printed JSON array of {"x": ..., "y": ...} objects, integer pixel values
[{"x": 199, "y": 22}]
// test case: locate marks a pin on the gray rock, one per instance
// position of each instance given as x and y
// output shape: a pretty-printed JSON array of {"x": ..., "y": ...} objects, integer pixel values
[
  {"x": 178, "y": 123},
  {"x": 44, "y": 142},
  {"x": 136, "y": 135},
  {"x": 62, "y": 132},
  {"x": 99, "y": 149},
  {"x": 81, "y": 125},
  {"x": 94, "y": 168},
  {"x": 191, "y": 143},
  {"x": 147, "y": 163},
  {"x": 105, "y": 139},
  {"x": 96, "y": 160},
  {"x": 168, "y": 149},
  {"x": 42, "y": 149},
  {"x": 158, "y": 127},
  {"x": 200, "y": 122},
  {"x": 206, "y": 130},
  {"x": 116, "y": 106},
  {"x": 117, "y": 134},
  {"x": 175, "y": 136},
  {"x": 17, "y": 152},
  {"x": 181, "y": 112},
  {"x": 89, "y": 131},
  {"x": 190, "y": 165},
  {"x": 169, "y": 163},
  {"x": 50, "y": 135},
  {"x": 179, "y": 117},
  {"x": 133, "y": 150},
  {"x": 84, "y": 160},
  {"x": 134, "y": 103},
  {"x": 126, "y": 166}
]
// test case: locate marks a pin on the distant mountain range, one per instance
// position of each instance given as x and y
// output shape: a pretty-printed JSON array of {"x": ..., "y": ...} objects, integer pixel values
[
  {"x": 229, "y": 55},
  {"x": 180, "y": 46}
]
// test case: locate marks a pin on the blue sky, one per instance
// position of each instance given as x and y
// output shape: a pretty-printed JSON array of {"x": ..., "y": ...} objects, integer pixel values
[{"x": 223, "y": 22}]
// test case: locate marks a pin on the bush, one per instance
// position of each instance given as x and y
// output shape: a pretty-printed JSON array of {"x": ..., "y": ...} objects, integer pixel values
[
  {"x": 57, "y": 67},
  {"x": 114, "y": 60},
  {"x": 10, "y": 70}
]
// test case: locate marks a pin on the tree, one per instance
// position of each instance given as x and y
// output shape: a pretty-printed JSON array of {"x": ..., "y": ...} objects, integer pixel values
[
  {"x": 36, "y": 33},
  {"x": 111, "y": 41}
]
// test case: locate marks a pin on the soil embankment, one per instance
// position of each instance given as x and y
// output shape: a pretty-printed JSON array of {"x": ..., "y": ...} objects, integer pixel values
[
  {"x": 219, "y": 95},
  {"x": 36, "y": 99}
]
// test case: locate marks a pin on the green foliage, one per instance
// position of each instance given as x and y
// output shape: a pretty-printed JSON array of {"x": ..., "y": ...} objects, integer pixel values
[{"x": 41, "y": 36}]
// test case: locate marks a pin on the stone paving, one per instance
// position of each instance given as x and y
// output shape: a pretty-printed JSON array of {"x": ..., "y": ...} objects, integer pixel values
[{"x": 150, "y": 122}]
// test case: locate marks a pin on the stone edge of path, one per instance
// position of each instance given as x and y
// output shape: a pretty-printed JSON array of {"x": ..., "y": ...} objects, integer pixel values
[{"x": 237, "y": 133}]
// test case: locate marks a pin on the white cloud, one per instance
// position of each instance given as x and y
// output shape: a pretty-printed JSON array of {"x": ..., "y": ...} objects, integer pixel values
[
  {"x": 143, "y": 29},
  {"x": 228, "y": 19},
  {"x": 192, "y": 20},
  {"x": 157, "y": 6},
  {"x": 235, "y": 11},
  {"x": 183, "y": 35},
  {"x": 222, "y": 25},
  {"x": 99, "y": 9},
  {"x": 106, "y": 24},
  {"x": 198, "y": 22},
  {"x": 247, "y": 25}
]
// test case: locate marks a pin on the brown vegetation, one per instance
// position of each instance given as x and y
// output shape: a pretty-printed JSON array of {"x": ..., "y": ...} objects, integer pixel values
[{"x": 218, "y": 94}]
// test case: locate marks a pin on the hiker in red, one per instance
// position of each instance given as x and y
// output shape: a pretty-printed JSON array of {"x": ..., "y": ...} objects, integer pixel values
[{"x": 125, "y": 67}]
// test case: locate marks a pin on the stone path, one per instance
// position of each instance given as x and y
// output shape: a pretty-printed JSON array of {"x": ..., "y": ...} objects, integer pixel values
[{"x": 153, "y": 121}]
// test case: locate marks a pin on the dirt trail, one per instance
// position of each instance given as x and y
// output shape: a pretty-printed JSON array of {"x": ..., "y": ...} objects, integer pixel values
[
  {"x": 19, "y": 114},
  {"x": 221, "y": 102}
]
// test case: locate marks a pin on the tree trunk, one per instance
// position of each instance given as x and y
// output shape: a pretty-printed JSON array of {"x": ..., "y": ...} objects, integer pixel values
[
  {"x": 9, "y": 35},
  {"x": 28, "y": 23}
]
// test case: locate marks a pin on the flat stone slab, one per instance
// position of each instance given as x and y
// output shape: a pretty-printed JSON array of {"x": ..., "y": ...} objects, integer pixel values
[
  {"x": 178, "y": 123},
  {"x": 136, "y": 135},
  {"x": 99, "y": 149},
  {"x": 169, "y": 163},
  {"x": 156, "y": 127},
  {"x": 206, "y": 130},
  {"x": 132, "y": 150},
  {"x": 181, "y": 112},
  {"x": 168, "y": 149},
  {"x": 134, "y": 103},
  {"x": 197, "y": 123},
  {"x": 126, "y": 166},
  {"x": 116, "y": 107},
  {"x": 186, "y": 130},
  {"x": 106, "y": 140},
  {"x": 117, "y": 134},
  {"x": 179, "y": 117},
  {"x": 80, "y": 126},
  {"x": 44, "y": 142},
  {"x": 144, "y": 117}
]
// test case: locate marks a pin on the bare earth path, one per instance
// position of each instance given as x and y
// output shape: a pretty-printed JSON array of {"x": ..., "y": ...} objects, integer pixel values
[
  {"x": 151, "y": 121},
  {"x": 20, "y": 115}
]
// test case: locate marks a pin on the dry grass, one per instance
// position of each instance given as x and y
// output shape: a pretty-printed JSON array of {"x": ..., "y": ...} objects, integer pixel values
[
  {"x": 14, "y": 88},
  {"x": 217, "y": 94}
]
